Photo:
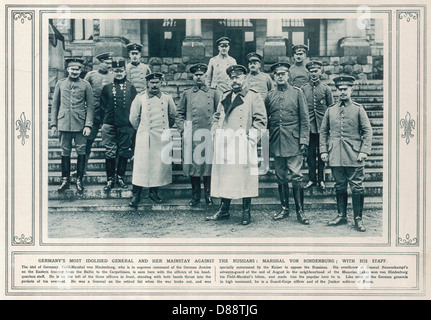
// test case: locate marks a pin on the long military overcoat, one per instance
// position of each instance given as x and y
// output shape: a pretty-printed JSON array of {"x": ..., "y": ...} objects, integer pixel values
[
  {"x": 287, "y": 121},
  {"x": 152, "y": 116},
  {"x": 194, "y": 119},
  {"x": 345, "y": 132},
  {"x": 72, "y": 105},
  {"x": 236, "y": 126}
]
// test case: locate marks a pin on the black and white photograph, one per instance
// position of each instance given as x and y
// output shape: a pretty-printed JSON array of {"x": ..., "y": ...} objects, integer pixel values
[{"x": 192, "y": 150}]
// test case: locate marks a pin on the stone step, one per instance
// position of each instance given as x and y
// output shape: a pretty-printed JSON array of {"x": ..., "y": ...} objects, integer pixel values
[
  {"x": 183, "y": 190},
  {"x": 99, "y": 177},
  {"x": 181, "y": 204}
]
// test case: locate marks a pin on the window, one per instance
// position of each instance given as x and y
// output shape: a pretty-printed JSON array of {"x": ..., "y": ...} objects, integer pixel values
[
  {"x": 82, "y": 29},
  {"x": 166, "y": 37}
]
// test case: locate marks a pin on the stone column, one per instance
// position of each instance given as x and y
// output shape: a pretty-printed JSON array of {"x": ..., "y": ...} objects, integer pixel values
[
  {"x": 193, "y": 46},
  {"x": 110, "y": 39},
  {"x": 275, "y": 46}
]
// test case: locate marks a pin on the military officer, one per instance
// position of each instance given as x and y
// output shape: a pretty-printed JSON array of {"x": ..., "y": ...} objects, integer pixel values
[
  {"x": 345, "y": 143},
  {"x": 257, "y": 79},
  {"x": 72, "y": 114},
  {"x": 115, "y": 101},
  {"x": 237, "y": 126},
  {"x": 298, "y": 74},
  {"x": 319, "y": 97},
  {"x": 216, "y": 74},
  {"x": 288, "y": 139},
  {"x": 136, "y": 71},
  {"x": 194, "y": 114},
  {"x": 152, "y": 114},
  {"x": 97, "y": 79}
]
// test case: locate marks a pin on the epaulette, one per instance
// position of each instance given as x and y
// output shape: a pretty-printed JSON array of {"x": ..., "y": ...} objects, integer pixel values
[
  {"x": 332, "y": 105},
  {"x": 359, "y": 105},
  {"x": 254, "y": 90},
  {"x": 297, "y": 88},
  {"x": 86, "y": 81}
]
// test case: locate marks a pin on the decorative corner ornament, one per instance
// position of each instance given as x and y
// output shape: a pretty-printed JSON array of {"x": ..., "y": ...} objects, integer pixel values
[
  {"x": 22, "y": 239},
  {"x": 407, "y": 241},
  {"x": 408, "y": 124},
  {"x": 408, "y": 15},
  {"x": 22, "y": 16},
  {"x": 23, "y": 125}
]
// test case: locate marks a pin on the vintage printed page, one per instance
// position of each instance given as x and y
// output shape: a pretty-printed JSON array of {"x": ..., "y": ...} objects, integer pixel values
[{"x": 68, "y": 234}]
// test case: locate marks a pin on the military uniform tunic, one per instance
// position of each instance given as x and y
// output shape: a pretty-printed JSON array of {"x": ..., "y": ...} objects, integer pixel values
[
  {"x": 196, "y": 108},
  {"x": 287, "y": 121},
  {"x": 216, "y": 74},
  {"x": 261, "y": 82},
  {"x": 345, "y": 132},
  {"x": 151, "y": 116},
  {"x": 98, "y": 79},
  {"x": 136, "y": 73},
  {"x": 298, "y": 75},
  {"x": 72, "y": 105}
]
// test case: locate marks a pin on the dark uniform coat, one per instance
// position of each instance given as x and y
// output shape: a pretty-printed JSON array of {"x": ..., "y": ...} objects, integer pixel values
[
  {"x": 136, "y": 75},
  {"x": 98, "y": 80},
  {"x": 298, "y": 75},
  {"x": 72, "y": 105},
  {"x": 319, "y": 97},
  {"x": 196, "y": 106},
  {"x": 151, "y": 116},
  {"x": 231, "y": 177},
  {"x": 287, "y": 121},
  {"x": 345, "y": 132}
]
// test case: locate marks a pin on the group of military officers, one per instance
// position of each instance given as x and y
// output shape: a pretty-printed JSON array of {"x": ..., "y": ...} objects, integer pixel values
[{"x": 125, "y": 101}]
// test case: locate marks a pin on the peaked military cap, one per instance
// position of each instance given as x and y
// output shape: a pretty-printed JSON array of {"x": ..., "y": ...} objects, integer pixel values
[
  {"x": 301, "y": 47},
  {"x": 199, "y": 67},
  {"x": 118, "y": 63},
  {"x": 134, "y": 46},
  {"x": 284, "y": 66},
  {"x": 70, "y": 62},
  {"x": 313, "y": 64},
  {"x": 154, "y": 75},
  {"x": 226, "y": 39},
  {"x": 344, "y": 80},
  {"x": 236, "y": 70},
  {"x": 104, "y": 56},
  {"x": 254, "y": 56}
]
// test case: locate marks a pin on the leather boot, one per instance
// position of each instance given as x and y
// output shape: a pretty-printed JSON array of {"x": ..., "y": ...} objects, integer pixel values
[
  {"x": 80, "y": 172},
  {"x": 207, "y": 187},
  {"x": 246, "y": 216},
  {"x": 196, "y": 191},
  {"x": 137, "y": 191},
  {"x": 65, "y": 174},
  {"x": 341, "y": 218},
  {"x": 298, "y": 196},
  {"x": 223, "y": 212},
  {"x": 358, "y": 207},
  {"x": 110, "y": 171},
  {"x": 121, "y": 172},
  {"x": 154, "y": 194},
  {"x": 283, "y": 190}
]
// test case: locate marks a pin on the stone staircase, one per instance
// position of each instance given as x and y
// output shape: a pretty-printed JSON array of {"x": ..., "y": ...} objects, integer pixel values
[{"x": 177, "y": 194}]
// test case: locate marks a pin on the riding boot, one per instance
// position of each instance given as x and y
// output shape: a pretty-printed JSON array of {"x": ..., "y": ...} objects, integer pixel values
[
  {"x": 80, "y": 172},
  {"x": 246, "y": 216},
  {"x": 154, "y": 194},
  {"x": 137, "y": 191},
  {"x": 283, "y": 190},
  {"x": 358, "y": 207},
  {"x": 65, "y": 174},
  {"x": 341, "y": 218},
  {"x": 110, "y": 172},
  {"x": 121, "y": 172},
  {"x": 298, "y": 196},
  {"x": 196, "y": 191},
  {"x": 223, "y": 212},
  {"x": 207, "y": 187}
]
